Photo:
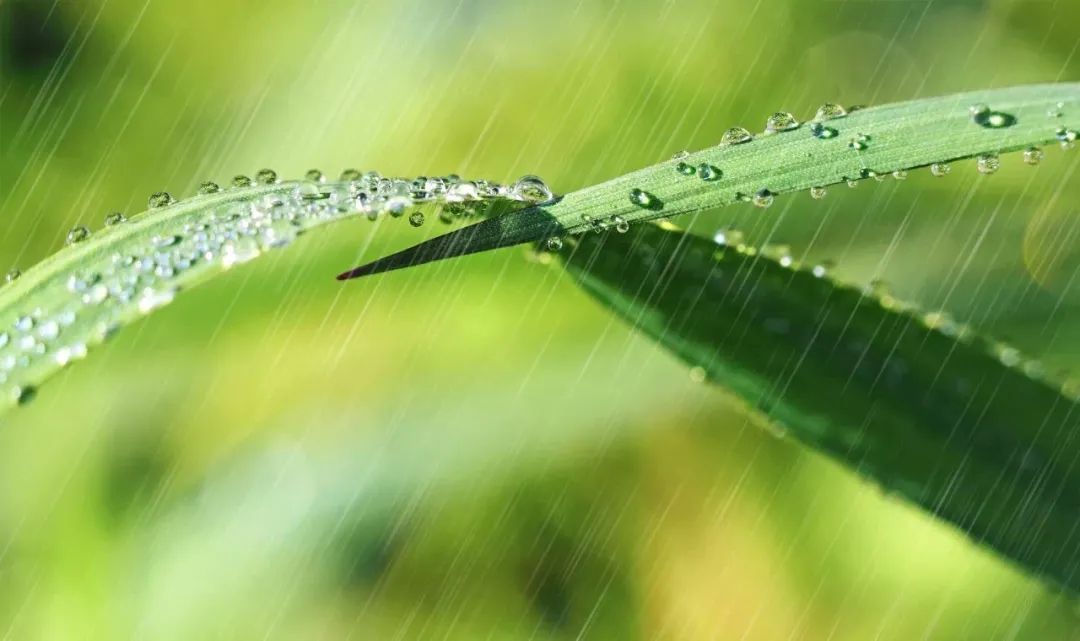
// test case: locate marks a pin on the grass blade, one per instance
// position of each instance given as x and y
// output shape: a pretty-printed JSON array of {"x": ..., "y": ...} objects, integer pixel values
[
  {"x": 917, "y": 404},
  {"x": 877, "y": 140}
]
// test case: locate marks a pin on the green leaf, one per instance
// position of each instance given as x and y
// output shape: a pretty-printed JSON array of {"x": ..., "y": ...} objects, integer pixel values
[
  {"x": 877, "y": 140},
  {"x": 957, "y": 424}
]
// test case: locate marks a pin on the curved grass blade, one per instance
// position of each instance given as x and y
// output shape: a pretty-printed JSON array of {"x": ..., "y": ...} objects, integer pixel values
[
  {"x": 916, "y": 403},
  {"x": 75, "y": 299},
  {"x": 877, "y": 140}
]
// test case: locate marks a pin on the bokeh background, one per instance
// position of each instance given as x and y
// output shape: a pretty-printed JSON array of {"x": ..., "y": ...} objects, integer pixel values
[{"x": 475, "y": 449}]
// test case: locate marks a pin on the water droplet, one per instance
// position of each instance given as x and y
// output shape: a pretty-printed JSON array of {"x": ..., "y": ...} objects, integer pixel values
[
  {"x": 680, "y": 155},
  {"x": 829, "y": 111},
  {"x": 209, "y": 187},
  {"x": 978, "y": 109},
  {"x": 685, "y": 169},
  {"x": 822, "y": 269},
  {"x": 416, "y": 219},
  {"x": 736, "y": 136},
  {"x": 314, "y": 175},
  {"x": 24, "y": 323},
  {"x": 728, "y": 237},
  {"x": 1033, "y": 155},
  {"x": 12, "y": 275},
  {"x": 77, "y": 234},
  {"x": 780, "y": 121},
  {"x": 987, "y": 163},
  {"x": 1067, "y": 137},
  {"x": 817, "y": 193},
  {"x": 697, "y": 374},
  {"x": 159, "y": 199},
  {"x": 114, "y": 219},
  {"x": 553, "y": 244},
  {"x": 851, "y": 183},
  {"x": 709, "y": 173},
  {"x": 900, "y": 174},
  {"x": 266, "y": 177},
  {"x": 763, "y": 198},
  {"x": 351, "y": 175},
  {"x": 531, "y": 189},
  {"x": 982, "y": 115},
  {"x": 821, "y": 131},
  {"x": 241, "y": 181},
  {"x": 860, "y": 142},
  {"x": 23, "y": 394},
  {"x": 644, "y": 199},
  {"x": 620, "y": 223},
  {"x": 940, "y": 169}
]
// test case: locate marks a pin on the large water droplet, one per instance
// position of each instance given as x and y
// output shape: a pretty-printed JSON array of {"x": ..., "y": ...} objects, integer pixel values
[
  {"x": 763, "y": 198},
  {"x": 241, "y": 181},
  {"x": 987, "y": 163},
  {"x": 77, "y": 234},
  {"x": 553, "y": 244},
  {"x": 829, "y": 111},
  {"x": 708, "y": 172},
  {"x": 780, "y": 121},
  {"x": 266, "y": 177},
  {"x": 416, "y": 219},
  {"x": 531, "y": 189},
  {"x": 114, "y": 219},
  {"x": 351, "y": 175},
  {"x": 1033, "y": 155},
  {"x": 817, "y": 193},
  {"x": 736, "y": 136},
  {"x": 644, "y": 199},
  {"x": 314, "y": 175},
  {"x": 823, "y": 132},
  {"x": 209, "y": 187},
  {"x": 159, "y": 199},
  {"x": 982, "y": 115},
  {"x": 685, "y": 169}
]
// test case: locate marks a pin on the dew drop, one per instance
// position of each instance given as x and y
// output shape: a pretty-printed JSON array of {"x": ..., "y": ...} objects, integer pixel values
[
  {"x": 763, "y": 198},
  {"x": 821, "y": 131},
  {"x": 978, "y": 109},
  {"x": 241, "y": 181},
  {"x": 12, "y": 275},
  {"x": 644, "y": 199},
  {"x": 416, "y": 219},
  {"x": 860, "y": 142},
  {"x": 728, "y": 237},
  {"x": 829, "y": 111},
  {"x": 1033, "y": 155},
  {"x": 940, "y": 169},
  {"x": 680, "y": 156},
  {"x": 266, "y": 177},
  {"x": 709, "y": 173},
  {"x": 209, "y": 187},
  {"x": 531, "y": 189},
  {"x": 685, "y": 169},
  {"x": 114, "y": 219},
  {"x": 900, "y": 174},
  {"x": 23, "y": 394},
  {"x": 159, "y": 199},
  {"x": 351, "y": 175},
  {"x": 822, "y": 269},
  {"x": 817, "y": 193},
  {"x": 987, "y": 163},
  {"x": 982, "y": 115},
  {"x": 620, "y": 223},
  {"x": 851, "y": 183},
  {"x": 77, "y": 235},
  {"x": 314, "y": 175},
  {"x": 736, "y": 136},
  {"x": 780, "y": 121},
  {"x": 1067, "y": 137},
  {"x": 553, "y": 244}
]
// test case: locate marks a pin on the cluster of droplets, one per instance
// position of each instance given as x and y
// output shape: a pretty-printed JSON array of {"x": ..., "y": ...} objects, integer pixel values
[{"x": 142, "y": 274}]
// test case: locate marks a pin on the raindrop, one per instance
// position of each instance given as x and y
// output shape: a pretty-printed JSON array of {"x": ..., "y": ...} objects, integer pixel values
[
  {"x": 241, "y": 181},
  {"x": 1033, "y": 155},
  {"x": 12, "y": 275},
  {"x": 987, "y": 163},
  {"x": 709, "y": 173},
  {"x": 736, "y": 136},
  {"x": 780, "y": 121},
  {"x": 644, "y": 199},
  {"x": 940, "y": 169},
  {"x": 822, "y": 269},
  {"x": 860, "y": 142},
  {"x": 900, "y": 174},
  {"x": 351, "y": 175},
  {"x": 817, "y": 193},
  {"x": 982, "y": 115},
  {"x": 209, "y": 187},
  {"x": 685, "y": 169},
  {"x": 266, "y": 177},
  {"x": 416, "y": 219},
  {"x": 1067, "y": 137},
  {"x": 821, "y": 131},
  {"x": 621, "y": 225},
  {"x": 462, "y": 191},
  {"x": 553, "y": 244},
  {"x": 728, "y": 237},
  {"x": 978, "y": 110},
  {"x": 114, "y": 219},
  {"x": 763, "y": 198},
  {"x": 530, "y": 189},
  {"x": 314, "y": 175},
  {"x": 77, "y": 235},
  {"x": 829, "y": 111},
  {"x": 159, "y": 199}
]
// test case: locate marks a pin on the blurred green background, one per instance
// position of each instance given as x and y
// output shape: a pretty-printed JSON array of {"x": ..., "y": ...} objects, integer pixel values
[{"x": 475, "y": 449}]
